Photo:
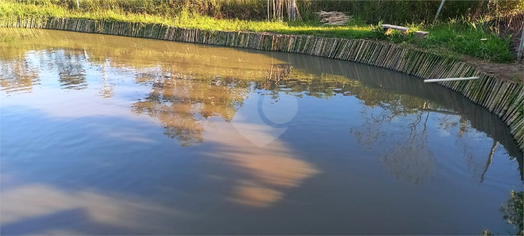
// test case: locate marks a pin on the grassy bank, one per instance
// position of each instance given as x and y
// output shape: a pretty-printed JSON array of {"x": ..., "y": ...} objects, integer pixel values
[
  {"x": 469, "y": 39},
  {"x": 451, "y": 39}
]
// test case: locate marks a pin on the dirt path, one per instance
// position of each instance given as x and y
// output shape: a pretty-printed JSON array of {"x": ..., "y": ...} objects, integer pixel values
[{"x": 510, "y": 71}]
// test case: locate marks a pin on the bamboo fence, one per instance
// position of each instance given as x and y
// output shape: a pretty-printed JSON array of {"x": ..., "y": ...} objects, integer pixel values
[{"x": 503, "y": 98}]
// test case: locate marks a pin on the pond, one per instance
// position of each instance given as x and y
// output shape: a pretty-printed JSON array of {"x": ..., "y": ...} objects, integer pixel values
[{"x": 113, "y": 135}]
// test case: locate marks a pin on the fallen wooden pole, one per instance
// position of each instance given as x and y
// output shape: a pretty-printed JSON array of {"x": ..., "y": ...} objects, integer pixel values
[{"x": 449, "y": 79}]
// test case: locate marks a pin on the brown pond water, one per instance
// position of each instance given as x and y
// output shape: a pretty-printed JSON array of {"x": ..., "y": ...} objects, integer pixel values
[{"x": 113, "y": 135}]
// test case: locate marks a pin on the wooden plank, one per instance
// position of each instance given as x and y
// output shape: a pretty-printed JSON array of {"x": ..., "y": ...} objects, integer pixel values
[{"x": 395, "y": 27}]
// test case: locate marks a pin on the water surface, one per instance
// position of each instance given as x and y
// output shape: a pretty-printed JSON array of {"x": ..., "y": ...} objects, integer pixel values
[{"x": 113, "y": 135}]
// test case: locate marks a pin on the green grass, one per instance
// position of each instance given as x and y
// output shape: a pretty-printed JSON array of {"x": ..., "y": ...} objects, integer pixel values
[
  {"x": 469, "y": 39},
  {"x": 185, "y": 19},
  {"x": 451, "y": 39}
]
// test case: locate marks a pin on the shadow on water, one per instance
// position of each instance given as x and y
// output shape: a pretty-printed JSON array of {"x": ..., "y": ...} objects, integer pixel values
[{"x": 386, "y": 80}]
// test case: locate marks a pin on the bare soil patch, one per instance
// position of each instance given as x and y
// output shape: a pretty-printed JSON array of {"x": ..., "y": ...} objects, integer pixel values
[{"x": 505, "y": 71}]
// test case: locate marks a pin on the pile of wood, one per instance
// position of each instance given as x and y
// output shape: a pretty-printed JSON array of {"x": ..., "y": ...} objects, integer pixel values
[{"x": 333, "y": 17}]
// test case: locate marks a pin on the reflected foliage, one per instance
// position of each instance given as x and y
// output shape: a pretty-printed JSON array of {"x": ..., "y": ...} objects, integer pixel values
[
  {"x": 401, "y": 147},
  {"x": 182, "y": 102},
  {"x": 71, "y": 72},
  {"x": 107, "y": 89},
  {"x": 18, "y": 76},
  {"x": 188, "y": 83},
  {"x": 478, "y": 153},
  {"x": 514, "y": 211},
  {"x": 181, "y": 105},
  {"x": 410, "y": 159},
  {"x": 455, "y": 114}
]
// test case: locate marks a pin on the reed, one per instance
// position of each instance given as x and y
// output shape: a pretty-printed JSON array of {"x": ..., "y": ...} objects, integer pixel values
[{"x": 503, "y": 98}]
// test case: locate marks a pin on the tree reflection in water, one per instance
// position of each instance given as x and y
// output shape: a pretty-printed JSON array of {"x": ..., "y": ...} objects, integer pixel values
[
  {"x": 17, "y": 73},
  {"x": 18, "y": 76},
  {"x": 411, "y": 160},
  {"x": 478, "y": 156},
  {"x": 513, "y": 210},
  {"x": 107, "y": 89},
  {"x": 401, "y": 148},
  {"x": 182, "y": 104},
  {"x": 71, "y": 69}
]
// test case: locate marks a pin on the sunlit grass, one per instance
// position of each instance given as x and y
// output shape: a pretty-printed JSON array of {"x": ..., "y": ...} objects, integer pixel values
[
  {"x": 469, "y": 39},
  {"x": 184, "y": 19}
]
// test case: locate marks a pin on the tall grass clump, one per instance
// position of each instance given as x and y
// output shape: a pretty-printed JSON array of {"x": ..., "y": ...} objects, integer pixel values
[{"x": 469, "y": 38}]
